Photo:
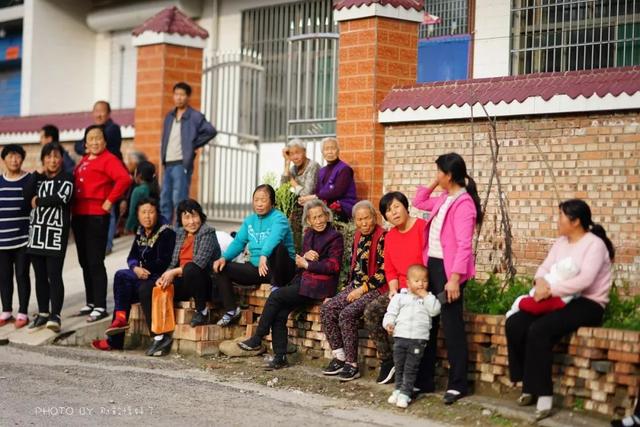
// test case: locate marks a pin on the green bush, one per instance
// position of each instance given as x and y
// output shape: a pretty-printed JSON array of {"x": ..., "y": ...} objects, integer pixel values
[
  {"x": 622, "y": 313},
  {"x": 494, "y": 296},
  {"x": 285, "y": 199},
  {"x": 347, "y": 229}
]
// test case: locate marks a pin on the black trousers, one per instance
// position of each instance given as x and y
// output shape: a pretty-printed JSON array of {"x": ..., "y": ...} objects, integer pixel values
[
  {"x": 281, "y": 270},
  {"x": 49, "y": 284},
  {"x": 90, "y": 232},
  {"x": 137, "y": 295},
  {"x": 454, "y": 333},
  {"x": 15, "y": 261},
  {"x": 407, "y": 355},
  {"x": 530, "y": 340},
  {"x": 276, "y": 311}
]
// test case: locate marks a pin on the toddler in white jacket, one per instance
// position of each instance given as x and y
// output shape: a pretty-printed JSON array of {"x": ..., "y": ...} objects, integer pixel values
[{"x": 408, "y": 317}]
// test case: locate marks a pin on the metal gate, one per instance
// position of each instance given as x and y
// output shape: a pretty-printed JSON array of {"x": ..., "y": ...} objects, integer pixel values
[
  {"x": 233, "y": 100},
  {"x": 311, "y": 88}
]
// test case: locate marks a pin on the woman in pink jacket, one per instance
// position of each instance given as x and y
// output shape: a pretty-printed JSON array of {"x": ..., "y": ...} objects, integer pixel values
[
  {"x": 530, "y": 338},
  {"x": 448, "y": 249}
]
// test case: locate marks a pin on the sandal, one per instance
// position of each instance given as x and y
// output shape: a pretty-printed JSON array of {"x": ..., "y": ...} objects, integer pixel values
[
  {"x": 84, "y": 311},
  {"x": 98, "y": 313}
]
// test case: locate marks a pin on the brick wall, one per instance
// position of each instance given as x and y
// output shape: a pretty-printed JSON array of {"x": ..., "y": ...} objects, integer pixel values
[
  {"x": 594, "y": 157},
  {"x": 596, "y": 368},
  {"x": 375, "y": 54},
  {"x": 159, "y": 68}
]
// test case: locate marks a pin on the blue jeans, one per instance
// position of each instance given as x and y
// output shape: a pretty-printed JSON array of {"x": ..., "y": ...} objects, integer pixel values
[
  {"x": 175, "y": 188},
  {"x": 112, "y": 228}
]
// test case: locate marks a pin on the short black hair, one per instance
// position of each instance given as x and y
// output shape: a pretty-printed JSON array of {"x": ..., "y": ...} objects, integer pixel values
[
  {"x": 106, "y": 104},
  {"x": 191, "y": 206},
  {"x": 13, "y": 148},
  {"x": 388, "y": 199},
  {"x": 269, "y": 190},
  {"x": 92, "y": 127},
  {"x": 148, "y": 201},
  {"x": 184, "y": 86},
  {"x": 50, "y": 147},
  {"x": 52, "y": 132}
]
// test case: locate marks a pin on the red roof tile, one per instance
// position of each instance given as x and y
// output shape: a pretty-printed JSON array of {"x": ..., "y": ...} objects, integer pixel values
[
  {"x": 171, "y": 21},
  {"x": 67, "y": 121},
  {"x": 406, "y": 4},
  {"x": 601, "y": 82}
]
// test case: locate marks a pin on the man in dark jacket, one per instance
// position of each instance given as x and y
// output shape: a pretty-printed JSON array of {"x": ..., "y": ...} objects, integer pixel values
[
  {"x": 184, "y": 131},
  {"x": 102, "y": 116}
]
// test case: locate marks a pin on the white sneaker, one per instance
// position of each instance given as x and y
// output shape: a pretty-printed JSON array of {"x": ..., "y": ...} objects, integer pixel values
[
  {"x": 394, "y": 397},
  {"x": 403, "y": 400}
]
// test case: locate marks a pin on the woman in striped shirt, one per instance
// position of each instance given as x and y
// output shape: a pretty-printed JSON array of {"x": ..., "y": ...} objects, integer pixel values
[{"x": 14, "y": 235}]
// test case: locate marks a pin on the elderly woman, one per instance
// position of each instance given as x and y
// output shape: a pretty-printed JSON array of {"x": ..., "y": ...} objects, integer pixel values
[
  {"x": 267, "y": 236},
  {"x": 148, "y": 258},
  {"x": 530, "y": 338},
  {"x": 302, "y": 174},
  {"x": 193, "y": 254},
  {"x": 402, "y": 248},
  {"x": 340, "y": 315},
  {"x": 317, "y": 279},
  {"x": 336, "y": 186},
  {"x": 50, "y": 196},
  {"x": 100, "y": 180}
]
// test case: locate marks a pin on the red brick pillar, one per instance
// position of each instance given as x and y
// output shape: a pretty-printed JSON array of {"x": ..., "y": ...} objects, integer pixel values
[
  {"x": 170, "y": 47},
  {"x": 378, "y": 50}
]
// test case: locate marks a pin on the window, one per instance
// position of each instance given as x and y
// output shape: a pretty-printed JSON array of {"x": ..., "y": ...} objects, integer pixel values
[
  {"x": 265, "y": 31},
  {"x": 454, "y": 18},
  {"x": 568, "y": 35}
]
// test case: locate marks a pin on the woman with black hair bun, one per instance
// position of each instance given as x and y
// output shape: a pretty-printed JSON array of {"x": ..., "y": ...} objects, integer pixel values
[
  {"x": 530, "y": 338},
  {"x": 448, "y": 249},
  {"x": 267, "y": 236}
]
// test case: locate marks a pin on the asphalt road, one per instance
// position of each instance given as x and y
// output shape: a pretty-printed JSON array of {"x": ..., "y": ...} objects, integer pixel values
[{"x": 78, "y": 387}]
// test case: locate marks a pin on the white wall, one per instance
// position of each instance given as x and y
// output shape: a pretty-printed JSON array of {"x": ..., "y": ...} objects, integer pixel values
[
  {"x": 123, "y": 70},
  {"x": 59, "y": 57},
  {"x": 491, "y": 46}
]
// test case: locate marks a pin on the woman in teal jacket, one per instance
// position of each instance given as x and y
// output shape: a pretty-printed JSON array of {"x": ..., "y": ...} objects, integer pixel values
[{"x": 267, "y": 236}]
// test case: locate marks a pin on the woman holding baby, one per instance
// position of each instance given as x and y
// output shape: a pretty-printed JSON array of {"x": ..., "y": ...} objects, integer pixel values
[{"x": 531, "y": 337}]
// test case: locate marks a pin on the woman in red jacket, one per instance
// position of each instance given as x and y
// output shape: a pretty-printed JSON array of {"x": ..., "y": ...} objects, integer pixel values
[{"x": 100, "y": 179}]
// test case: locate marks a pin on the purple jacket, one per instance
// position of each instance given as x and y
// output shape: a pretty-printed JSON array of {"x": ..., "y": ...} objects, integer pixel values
[
  {"x": 336, "y": 184},
  {"x": 456, "y": 235},
  {"x": 320, "y": 279}
]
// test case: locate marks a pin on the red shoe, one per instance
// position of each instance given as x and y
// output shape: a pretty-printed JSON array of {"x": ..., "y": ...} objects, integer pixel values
[
  {"x": 117, "y": 326},
  {"x": 21, "y": 321},
  {"x": 5, "y": 321},
  {"x": 101, "y": 345}
]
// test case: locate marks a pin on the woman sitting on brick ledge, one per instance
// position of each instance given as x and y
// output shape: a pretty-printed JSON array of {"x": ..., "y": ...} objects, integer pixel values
[
  {"x": 267, "y": 236},
  {"x": 402, "y": 248},
  {"x": 317, "y": 279},
  {"x": 148, "y": 258},
  {"x": 531, "y": 338},
  {"x": 341, "y": 314},
  {"x": 189, "y": 271}
]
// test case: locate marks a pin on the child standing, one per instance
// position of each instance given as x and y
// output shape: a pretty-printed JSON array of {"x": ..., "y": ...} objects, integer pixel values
[{"x": 408, "y": 317}]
